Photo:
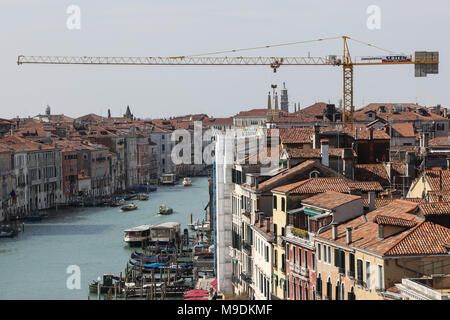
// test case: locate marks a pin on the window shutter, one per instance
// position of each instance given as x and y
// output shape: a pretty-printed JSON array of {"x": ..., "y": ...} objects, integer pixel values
[{"x": 337, "y": 257}]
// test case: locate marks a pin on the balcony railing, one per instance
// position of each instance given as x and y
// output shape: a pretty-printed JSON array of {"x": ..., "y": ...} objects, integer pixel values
[
  {"x": 247, "y": 248},
  {"x": 360, "y": 282},
  {"x": 304, "y": 272}
]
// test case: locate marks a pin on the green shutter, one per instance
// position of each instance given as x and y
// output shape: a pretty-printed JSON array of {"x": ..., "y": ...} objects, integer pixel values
[{"x": 337, "y": 258}]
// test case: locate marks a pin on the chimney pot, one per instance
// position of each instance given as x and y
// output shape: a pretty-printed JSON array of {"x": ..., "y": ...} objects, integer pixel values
[
  {"x": 371, "y": 200},
  {"x": 349, "y": 235},
  {"x": 334, "y": 231}
]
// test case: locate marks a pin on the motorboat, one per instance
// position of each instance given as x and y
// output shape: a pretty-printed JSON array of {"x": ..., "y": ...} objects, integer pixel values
[
  {"x": 129, "y": 207},
  {"x": 187, "y": 182}
]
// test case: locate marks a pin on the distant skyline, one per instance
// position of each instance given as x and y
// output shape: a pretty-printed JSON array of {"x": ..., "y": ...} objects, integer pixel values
[{"x": 162, "y": 28}]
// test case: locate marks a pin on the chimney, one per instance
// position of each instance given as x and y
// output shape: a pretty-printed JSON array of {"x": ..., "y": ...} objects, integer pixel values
[
  {"x": 269, "y": 104},
  {"x": 347, "y": 159},
  {"x": 445, "y": 112},
  {"x": 261, "y": 220},
  {"x": 315, "y": 137},
  {"x": 371, "y": 133},
  {"x": 348, "y": 235},
  {"x": 324, "y": 152},
  {"x": 267, "y": 224},
  {"x": 371, "y": 200},
  {"x": 334, "y": 231},
  {"x": 276, "y": 103}
]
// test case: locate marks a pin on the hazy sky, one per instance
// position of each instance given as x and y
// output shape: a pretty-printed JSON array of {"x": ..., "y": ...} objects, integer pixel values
[{"x": 183, "y": 27}]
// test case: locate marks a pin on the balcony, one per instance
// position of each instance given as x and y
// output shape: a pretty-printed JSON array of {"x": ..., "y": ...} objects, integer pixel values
[
  {"x": 351, "y": 274},
  {"x": 360, "y": 283},
  {"x": 246, "y": 278},
  {"x": 235, "y": 280},
  {"x": 247, "y": 248},
  {"x": 341, "y": 271},
  {"x": 304, "y": 272}
]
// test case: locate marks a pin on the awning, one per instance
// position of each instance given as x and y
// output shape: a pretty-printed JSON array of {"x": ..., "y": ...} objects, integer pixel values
[{"x": 312, "y": 212}]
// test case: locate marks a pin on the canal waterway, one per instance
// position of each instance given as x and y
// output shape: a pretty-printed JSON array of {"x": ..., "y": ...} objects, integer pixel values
[{"x": 33, "y": 265}]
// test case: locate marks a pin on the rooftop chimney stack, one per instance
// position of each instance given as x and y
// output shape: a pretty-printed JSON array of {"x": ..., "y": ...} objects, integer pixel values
[
  {"x": 334, "y": 231},
  {"x": 324, "y": 152},
  {"x": 348, "y": 234},
  {"x": 267, "y": 224},
  {"x": 371, "y": 200}
]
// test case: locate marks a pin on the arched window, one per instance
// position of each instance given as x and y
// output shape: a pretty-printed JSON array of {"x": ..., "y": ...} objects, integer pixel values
[
  {"x": 314, "y": 174},
  {"x": 351, "y": 294},
  {"x": 342, "y": 292},
  {"x": 338, "y": 291},
  {"x": 306, "y": 291},
  {"x": 329, "y": 286}
]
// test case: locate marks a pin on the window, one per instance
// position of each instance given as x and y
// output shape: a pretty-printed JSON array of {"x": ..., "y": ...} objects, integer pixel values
[
  {"x": 329, "y": 254},
  {"x": 314, "y": 174},
  {"x": 342, "y": 292},
  {"x": 313, "y": 261},
  {"x": 368, "y": 274},
  {"x": 275, "y": 202},
  {"x": 351, "y": 262},
  {"x": 288, "y": 251},
  {"x": 359, "y": 269},
  {"x": 319, "y": 252},
  {"x": 380, "y": 276},
  {"x": 283, "y": 204},
  {"x": 306, "y": 259},
  {"x": 324, "y": 254},
  {"x": 294, "y": 252},
  {"x": 295, "y": 290},
  {"x": 306, "y": 291}
]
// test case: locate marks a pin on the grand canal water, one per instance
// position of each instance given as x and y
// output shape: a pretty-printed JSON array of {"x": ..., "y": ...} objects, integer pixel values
[{"x": 33, "y": 265}]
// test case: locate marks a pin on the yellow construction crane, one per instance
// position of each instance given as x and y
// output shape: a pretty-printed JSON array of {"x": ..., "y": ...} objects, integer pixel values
[{"x": 425, "y": 63}]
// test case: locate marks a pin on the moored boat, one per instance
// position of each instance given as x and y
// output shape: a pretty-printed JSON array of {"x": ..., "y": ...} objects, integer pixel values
[
  {"x": 118, "y": 203},
  {"x": 143, "y": 197},
  {"x": 129, "y": 207},
  {"x": 137, "y": 235}
]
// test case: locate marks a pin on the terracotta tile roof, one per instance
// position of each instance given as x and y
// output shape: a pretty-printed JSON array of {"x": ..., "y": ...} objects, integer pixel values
[
  {"x": 252, "y": 113},
  {"x": 426, "y": 238},
  {"x": 18, "y": 144},
  {"x": 294, "y": 173},
  {"x": 437, "y": 196},
  {"x": 366, "y": 185},
  {"x": 263, "y": 155},
  {"x": 435, "y": 208},
  {"x": 372, "y": 172},
  {"x": 296, "y": 135},
  {"x": 423, "y": 239},
  {"x": 264, "y": 226},
  {"x": 407, "y": 115},
  {"x": 394, "y": 221},
  {"x": 307, "y": 153},
  {"x": 218, "y": 121},
  {"x": 379, "y": 202},
  {"x": 316, "y": 185},
  {"x": 330, "y": 199},
  {"x": 404, "y": 129},
  {"x": 439, "y": 179},
  {"x": 439, "y": 142}
]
